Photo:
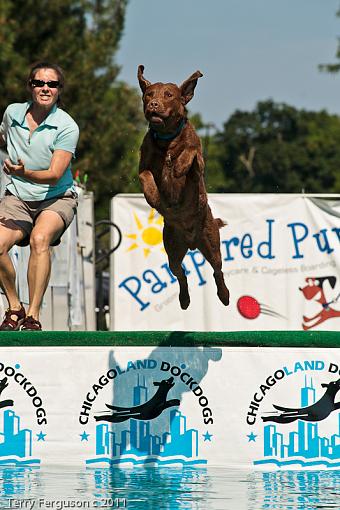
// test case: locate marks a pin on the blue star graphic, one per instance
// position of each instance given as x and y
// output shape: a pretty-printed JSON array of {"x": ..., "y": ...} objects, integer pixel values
[
  {"x": 41, "y": 436},
  {"x": 84, "y": 436},
  {"x": 207, "y": 436},
  {"x": 251, "y": 437}
]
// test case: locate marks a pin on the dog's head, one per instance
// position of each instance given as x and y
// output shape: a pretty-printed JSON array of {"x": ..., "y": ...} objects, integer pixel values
[
  {"x": 333, "y": 385},
  {"x": 165, "y": 384},
  {"x": 164, "y": 103},
  {"x": 315, "y": 287}
]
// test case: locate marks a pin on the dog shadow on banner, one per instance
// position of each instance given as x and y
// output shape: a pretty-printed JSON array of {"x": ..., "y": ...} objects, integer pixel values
[{"x": 145, "y": 411}]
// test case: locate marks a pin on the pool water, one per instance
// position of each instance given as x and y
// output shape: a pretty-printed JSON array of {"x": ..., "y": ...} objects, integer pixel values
[{"x": 168, "y": 488}]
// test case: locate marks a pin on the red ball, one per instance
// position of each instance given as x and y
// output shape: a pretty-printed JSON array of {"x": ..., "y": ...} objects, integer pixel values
[{"x": 248, "y": 307}]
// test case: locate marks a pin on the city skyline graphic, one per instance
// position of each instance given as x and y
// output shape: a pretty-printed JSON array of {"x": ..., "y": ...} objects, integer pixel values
[
  {"x": 304, "y": 445},
  {"x": 140, "y": 444},
  {"x": 15, "y": 443}
]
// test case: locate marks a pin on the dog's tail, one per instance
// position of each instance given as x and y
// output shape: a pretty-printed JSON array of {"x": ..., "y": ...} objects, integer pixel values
[{"x": 220, "y": 223}]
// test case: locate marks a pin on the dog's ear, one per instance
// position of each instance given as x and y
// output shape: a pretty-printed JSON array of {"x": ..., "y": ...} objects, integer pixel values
[
  {"x": 143, "y": 83},
  {"x": 188, "y": 86}
]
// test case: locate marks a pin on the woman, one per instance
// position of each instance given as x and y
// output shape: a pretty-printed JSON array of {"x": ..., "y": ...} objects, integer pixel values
[{"x": 40, "y": 201}]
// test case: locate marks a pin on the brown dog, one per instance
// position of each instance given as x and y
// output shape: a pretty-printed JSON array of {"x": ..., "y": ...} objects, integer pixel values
[{"x": 171, "y": 173}]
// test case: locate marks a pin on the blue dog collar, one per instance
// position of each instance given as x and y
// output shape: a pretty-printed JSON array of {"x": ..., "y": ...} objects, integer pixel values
[{"x": 168, "y": 137}]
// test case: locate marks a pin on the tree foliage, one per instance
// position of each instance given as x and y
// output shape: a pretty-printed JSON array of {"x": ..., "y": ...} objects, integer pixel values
[
  {"x": 277, "y": 148},
  {"x": 335, "y": 67},
  {"x": 82, "y": 36}
]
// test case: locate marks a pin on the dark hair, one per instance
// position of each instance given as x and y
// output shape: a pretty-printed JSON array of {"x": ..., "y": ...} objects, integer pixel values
[{"x": 47, "y": 65}]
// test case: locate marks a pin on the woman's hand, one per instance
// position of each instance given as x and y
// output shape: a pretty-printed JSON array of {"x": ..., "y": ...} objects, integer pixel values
[{"x": 11, "y": 169}]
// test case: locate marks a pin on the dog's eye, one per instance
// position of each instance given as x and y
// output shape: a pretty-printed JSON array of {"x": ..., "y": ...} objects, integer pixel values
[{"x": 168, "y": 94}]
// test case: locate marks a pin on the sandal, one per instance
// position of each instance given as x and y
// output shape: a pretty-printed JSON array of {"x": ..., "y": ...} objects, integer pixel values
[
  {"x": 13, "y": 319},
  {"x": 30, "y": 324}
]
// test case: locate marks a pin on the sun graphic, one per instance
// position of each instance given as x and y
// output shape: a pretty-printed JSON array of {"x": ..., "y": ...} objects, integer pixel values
[{"x": 148, "y": 236}]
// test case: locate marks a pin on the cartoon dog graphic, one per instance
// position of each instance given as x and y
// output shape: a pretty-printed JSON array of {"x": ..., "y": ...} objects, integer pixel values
[
  {"x": 147, "y": 411},
  {"x": 315, "y": 412},
  {"x": 315, "y": 290}
]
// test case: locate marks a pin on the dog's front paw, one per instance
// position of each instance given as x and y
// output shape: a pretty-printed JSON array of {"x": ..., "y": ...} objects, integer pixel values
[
  {"x": 179, "y": 172},
  {"x": 154, "y": 201}
]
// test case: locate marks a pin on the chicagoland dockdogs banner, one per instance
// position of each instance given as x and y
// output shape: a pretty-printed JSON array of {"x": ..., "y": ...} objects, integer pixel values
[
  {"x": 93, "y": 407},
  {"x": 281, "y": 262}
]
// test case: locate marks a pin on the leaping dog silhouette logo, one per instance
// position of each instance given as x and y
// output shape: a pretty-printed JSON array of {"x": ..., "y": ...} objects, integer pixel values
[
  {"x": 3, "y": 385},
  {"x": 315, "y": 412},
  {"x": 147, "y": 411},
  {"x": 317, "y": 290}
]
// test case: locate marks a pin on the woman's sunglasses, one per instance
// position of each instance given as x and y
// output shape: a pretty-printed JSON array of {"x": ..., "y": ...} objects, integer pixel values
[{"x": 52, "y": 84}]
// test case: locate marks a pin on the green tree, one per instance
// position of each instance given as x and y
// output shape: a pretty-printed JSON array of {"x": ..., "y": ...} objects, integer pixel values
[
  {"x": 277, "y": 148},
  {"x": 335, "y": 67},
  {"x": 83, "y": 37}
]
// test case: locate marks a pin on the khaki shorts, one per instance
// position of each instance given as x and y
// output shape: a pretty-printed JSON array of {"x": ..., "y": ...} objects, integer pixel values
[{"x": 24, "y": 214}]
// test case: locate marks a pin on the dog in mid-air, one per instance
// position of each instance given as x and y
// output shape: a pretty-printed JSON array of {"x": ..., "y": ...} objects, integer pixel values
[{"x": 171, "y": 173}]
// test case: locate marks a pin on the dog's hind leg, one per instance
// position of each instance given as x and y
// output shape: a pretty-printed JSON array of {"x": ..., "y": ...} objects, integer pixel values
[
  {"x": 209, "y": 245},
  {"x": 176, "y": 250}
]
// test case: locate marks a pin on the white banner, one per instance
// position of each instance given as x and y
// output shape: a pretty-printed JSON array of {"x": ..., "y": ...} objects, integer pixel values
[
  {"x": 281, "y": 262},
  {"x": 269, "y": 408}
]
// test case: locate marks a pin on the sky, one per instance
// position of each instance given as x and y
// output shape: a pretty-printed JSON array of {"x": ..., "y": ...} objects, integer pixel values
[{"x": 247, "y": 50}]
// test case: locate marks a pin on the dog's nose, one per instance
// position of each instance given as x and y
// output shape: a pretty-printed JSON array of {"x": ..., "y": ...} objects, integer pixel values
[{"x": 154, "y": 104}]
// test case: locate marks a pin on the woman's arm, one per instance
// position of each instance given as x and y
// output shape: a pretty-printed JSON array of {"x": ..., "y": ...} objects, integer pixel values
[{"x": 59, "y": 163}]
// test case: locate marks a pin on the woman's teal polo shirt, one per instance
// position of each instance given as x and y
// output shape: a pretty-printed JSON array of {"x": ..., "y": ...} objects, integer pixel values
[{"x": 57, "y": 131}]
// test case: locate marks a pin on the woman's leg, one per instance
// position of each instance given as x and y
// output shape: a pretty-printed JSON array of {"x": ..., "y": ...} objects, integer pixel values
[
  {"x": 48, "y": 227},
  {"x": 8, "y": 237}
]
